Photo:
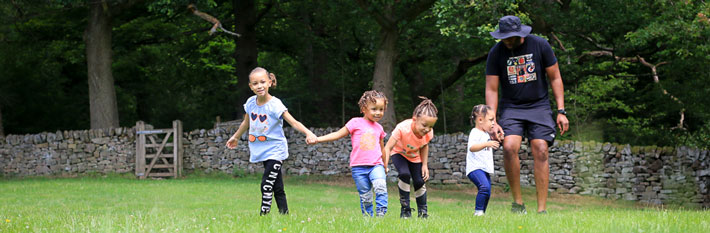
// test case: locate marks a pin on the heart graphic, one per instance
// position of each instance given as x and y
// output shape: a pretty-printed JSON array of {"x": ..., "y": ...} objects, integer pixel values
[
  {"x": 262, "y": 118},
  {"x": 253, "y": 116}
]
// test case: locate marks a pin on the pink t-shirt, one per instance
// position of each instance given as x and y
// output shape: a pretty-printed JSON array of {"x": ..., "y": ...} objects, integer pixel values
[
  {"x": 366, "y": 136},
  {"x": 408, "y": 144}
]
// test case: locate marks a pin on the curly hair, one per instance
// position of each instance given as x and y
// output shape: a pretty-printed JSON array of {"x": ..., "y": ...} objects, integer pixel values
[
  {"x": 371, "y": 97},
  {"x": 426, "y": 108},
  {"x": 272, "y": 76}
]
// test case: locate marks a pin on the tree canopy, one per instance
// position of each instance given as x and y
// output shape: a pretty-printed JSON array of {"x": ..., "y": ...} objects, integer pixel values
[{"x": 634, "y": 71}]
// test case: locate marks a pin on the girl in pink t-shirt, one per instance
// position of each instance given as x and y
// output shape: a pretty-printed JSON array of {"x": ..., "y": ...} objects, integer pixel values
[
  {"x": 366, "y": 157},
  {"x": 410, "y": 145}
]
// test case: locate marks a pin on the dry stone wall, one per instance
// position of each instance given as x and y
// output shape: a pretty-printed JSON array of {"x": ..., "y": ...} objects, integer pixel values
[{"x": 654, "y": 175}]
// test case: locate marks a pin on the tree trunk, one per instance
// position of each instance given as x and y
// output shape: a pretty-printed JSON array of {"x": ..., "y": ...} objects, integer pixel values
[
  {"x": 102, "y": 95},
  {"x": 384, "y": 72},
  {"x": 245, "y": 54},
  {"x": 2, "y": 131}
]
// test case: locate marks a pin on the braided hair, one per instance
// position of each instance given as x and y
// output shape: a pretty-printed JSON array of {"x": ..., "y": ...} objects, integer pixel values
[
  {"x": 480, "y": 110},
  {"x": 371, "y": 97},
  {"x": 272, "y": 76},
  {"x": 425, "y": 108}
]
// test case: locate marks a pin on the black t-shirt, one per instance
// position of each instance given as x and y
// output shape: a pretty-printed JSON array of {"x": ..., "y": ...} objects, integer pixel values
[{"x": 521, "y": 72}]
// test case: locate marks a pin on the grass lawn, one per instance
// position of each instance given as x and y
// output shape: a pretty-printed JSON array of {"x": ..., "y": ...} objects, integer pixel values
[{"x": 317, "y": 204}]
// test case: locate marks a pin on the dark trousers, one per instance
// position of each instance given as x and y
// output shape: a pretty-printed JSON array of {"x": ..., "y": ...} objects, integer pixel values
[
  {"x": 272, "y": 186},
  {"x": 408, "y": 170}
]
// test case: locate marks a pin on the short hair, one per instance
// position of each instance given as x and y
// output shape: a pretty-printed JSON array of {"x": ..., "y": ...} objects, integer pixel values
[
  {"x": 271, "y": 76},
  {"x": 479, "y": 110},
  {"x": 425, "y": 108},
  {"x": 371, "y": 97}
]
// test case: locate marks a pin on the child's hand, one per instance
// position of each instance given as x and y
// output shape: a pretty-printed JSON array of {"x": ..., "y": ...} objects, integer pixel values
[
  {"x": 493, "y": 144},
  {"x": 387, "y": 169},
  {"x": 232, "y": 143},
  {"x": 425, "y": 173}
]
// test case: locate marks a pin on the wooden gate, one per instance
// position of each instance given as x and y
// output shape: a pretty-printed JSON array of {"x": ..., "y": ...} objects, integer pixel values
[{"x": 158, "y": 158}]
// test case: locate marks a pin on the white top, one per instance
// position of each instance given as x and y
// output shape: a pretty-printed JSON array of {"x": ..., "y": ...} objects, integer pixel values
[{"x": 482, "y": 159}]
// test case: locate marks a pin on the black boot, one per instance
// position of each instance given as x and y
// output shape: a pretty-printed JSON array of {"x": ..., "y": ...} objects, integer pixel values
[
  {"x": 422, "y": 208},
  {"x": 422, "y": 212},
  {"x": 406, "y": 211},
  {"x": 404, "y": 201}
]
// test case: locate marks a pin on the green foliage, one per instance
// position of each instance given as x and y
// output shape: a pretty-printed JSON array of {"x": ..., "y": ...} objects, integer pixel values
[{"x": 167, "y": 67}]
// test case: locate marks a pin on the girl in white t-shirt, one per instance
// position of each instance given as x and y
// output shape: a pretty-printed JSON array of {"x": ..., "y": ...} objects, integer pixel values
[{"x": 479, "y": 159}]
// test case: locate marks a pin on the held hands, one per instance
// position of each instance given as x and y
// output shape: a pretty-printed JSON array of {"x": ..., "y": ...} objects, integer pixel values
[
  {"x": 497, "y": 133},
  {"x": 232, "y": 143},
  {"x": 311, "y": 139},
  {"x": 562, "y": 123}
]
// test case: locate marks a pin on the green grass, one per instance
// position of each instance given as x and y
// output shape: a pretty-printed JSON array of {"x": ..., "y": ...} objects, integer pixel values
[{"x": 317, "y": 204}]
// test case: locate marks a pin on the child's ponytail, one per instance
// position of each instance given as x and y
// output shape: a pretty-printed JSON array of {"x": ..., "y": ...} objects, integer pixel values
[{"x": 272, "y": 76}]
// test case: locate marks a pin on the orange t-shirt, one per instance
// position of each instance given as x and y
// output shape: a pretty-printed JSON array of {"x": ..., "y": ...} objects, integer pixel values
[{"x": 408, "y": 144}]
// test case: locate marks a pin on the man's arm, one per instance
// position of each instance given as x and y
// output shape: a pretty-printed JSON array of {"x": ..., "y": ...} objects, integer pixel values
[
  {"x": 553, "y": 73},
  {"x": 492, "y": 82}
]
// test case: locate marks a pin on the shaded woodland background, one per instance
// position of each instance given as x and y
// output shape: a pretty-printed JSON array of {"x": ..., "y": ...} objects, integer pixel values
[{"x": 634, "y": 71}]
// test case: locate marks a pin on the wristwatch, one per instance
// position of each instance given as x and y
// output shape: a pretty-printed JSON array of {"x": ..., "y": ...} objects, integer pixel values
[{"x": 561, "y": 111}]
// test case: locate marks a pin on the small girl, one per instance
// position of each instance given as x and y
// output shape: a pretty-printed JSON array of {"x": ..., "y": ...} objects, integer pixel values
[
  {"x": 264, "y": 119},
  {"x": 410, "y": 145},
  {"x": 368, "y": 139},
  {"x": 479, "y": 158}
]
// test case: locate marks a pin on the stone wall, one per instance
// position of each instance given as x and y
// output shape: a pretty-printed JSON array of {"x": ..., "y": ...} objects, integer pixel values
[
  {"x": 68, "y": 152},
  {"x": 654, "y": 175}
]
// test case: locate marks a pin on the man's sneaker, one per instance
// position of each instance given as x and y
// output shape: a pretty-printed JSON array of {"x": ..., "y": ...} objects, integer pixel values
[
  {"x": 518, "y": 208},
  {"x": 542, "y": 212},
  {"x": 478, "y": 213}
]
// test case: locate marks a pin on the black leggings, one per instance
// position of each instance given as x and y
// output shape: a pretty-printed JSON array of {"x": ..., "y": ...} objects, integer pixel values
[
  {"x": 272, "y": 185},
  {"x": 408, "y": 170}
]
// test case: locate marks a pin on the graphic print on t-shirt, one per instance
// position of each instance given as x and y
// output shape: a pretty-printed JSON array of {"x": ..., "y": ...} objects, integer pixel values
[
  {"x": 409, "y": 153},
  {"x": 367, "y": 141},
  {"x": 521, "y": 69},
  {"x": 260, "y": 123}
]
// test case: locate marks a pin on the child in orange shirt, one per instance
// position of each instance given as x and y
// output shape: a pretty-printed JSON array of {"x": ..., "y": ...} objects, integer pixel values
[{"x": 410, "y": 145}]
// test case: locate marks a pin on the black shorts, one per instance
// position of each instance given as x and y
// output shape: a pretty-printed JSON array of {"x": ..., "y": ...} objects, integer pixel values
[{"x": 535, "y": 123}]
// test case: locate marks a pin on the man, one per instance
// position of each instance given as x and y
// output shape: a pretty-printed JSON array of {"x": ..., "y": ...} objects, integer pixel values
[{"x": 519, "y": 64}]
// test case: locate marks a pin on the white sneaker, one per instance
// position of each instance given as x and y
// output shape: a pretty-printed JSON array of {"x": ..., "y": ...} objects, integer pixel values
[{"x": 478, "y": 213}]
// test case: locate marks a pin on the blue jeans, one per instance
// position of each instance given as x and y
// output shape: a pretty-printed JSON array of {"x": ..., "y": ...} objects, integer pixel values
[
  {"x": 482, "y": 180},
  {"x": 366, "y": 179}
]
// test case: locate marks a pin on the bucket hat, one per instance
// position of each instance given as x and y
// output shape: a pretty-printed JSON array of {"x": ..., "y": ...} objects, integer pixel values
[{"x": 510, "y": 26}]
